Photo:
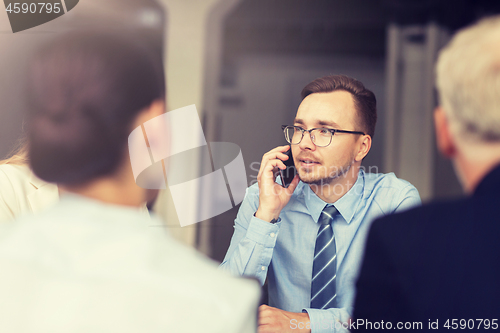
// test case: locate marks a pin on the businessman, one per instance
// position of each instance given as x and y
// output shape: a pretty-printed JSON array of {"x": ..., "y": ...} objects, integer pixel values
[
  {"x": 307, "y": 239},
  {"x": 438, "y": 264}
]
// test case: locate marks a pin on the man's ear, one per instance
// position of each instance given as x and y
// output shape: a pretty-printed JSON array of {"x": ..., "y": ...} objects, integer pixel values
[
  {"x": 444, "y": 139},
  {"x": 365, "y": 144}
]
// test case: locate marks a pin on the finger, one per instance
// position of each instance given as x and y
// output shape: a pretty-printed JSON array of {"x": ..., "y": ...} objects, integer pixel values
[
  {"x": 264, "y": 316},
  {"x": 274, "y": 154},
  {"x": 293, "y": 185},
  {"x": 269, "y": 167},
  {"x": 271, "y": 157},
  {"x": 280, "y": 149},
  {"x": 265, "y": 310},
  {"x": 270, "y": 173}
]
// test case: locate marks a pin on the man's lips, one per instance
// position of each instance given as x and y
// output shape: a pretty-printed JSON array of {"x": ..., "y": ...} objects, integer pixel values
[{"x": 307, "y": 162}]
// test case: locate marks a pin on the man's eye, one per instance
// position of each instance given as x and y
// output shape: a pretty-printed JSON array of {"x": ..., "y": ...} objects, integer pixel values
[{"x": 324, "y": 131}]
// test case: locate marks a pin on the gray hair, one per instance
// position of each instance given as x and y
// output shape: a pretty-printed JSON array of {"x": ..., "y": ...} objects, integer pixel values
[{"x": 468, "y": 81}]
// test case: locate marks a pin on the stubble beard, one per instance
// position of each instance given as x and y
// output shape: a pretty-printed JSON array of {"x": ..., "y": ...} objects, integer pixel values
[{"x": 330, "y": 178}]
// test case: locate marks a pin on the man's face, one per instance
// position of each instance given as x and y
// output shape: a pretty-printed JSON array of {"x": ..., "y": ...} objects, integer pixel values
[{"x": 335, "y": 110}]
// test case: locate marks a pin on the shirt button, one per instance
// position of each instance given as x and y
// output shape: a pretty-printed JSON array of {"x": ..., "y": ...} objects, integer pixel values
[
  {"x": 272, "y": 234},
  {"x": 263, "y": 268}
]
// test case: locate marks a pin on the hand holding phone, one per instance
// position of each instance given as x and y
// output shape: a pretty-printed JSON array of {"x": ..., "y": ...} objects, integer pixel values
[
  {"x": 273, "y": 196},
  {"x": 289, "y": 173}
]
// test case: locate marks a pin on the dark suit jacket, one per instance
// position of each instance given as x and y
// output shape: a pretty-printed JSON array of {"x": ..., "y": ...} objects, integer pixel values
[{"x": 439, "y": 261}]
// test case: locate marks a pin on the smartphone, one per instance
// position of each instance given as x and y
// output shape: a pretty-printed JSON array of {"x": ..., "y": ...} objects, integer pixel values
[{"x": 289, "y": 173}]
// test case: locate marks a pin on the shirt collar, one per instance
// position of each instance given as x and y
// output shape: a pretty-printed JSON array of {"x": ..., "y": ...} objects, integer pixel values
[
  {"x": 35, "y": 181},
  {"x": 346, "y": 205}
]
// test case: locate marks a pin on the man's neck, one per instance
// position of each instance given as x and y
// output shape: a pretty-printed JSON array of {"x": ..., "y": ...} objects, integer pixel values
[
  {"x": 118, "y": 189},
  {"x": 336, "y": 189},
  {"x": 472, "y": 173},
  {"x": 473, "y": 161}
]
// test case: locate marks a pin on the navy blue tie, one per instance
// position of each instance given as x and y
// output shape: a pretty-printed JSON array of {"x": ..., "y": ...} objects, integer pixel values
[{"x": 323, "y": 284}]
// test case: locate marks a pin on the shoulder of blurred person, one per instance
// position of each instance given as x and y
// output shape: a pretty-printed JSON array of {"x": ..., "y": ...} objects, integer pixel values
[
  {"x": 113, "y": 269},
  {"x": 22, "y": 192},
  {"x": 434, "y": 261}
]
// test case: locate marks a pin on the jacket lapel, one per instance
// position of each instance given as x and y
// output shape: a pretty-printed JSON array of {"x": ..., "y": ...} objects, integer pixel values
[{"x": 43, "y": 194}]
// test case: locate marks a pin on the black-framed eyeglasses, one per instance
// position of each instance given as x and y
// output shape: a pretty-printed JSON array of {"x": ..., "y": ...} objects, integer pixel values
[{"x": 321, "y": 137}]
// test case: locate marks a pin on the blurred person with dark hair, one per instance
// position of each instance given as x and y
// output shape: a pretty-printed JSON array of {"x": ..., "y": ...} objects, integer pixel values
[
  {"x": 438, "y": 264},
  {"x": 91, "y": 263},
  {"x": 307, "y": 239}
]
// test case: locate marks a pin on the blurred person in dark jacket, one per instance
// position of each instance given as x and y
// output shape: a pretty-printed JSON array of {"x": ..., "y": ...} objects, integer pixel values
[{"x": 438, "y": 264}]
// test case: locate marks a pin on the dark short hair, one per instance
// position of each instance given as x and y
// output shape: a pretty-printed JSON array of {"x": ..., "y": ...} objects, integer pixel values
[
  {"x": 364, "y": 99},
  {"x": 84, "y": 91}
]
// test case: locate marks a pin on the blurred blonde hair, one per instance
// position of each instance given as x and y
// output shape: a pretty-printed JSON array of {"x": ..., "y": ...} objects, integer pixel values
[
  {"x": 18, "y": 155},
  {"x": 468, "y": 82}
]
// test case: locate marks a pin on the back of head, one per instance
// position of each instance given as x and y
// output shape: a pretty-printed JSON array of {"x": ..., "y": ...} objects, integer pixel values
[
  {"x": 84, "y": 90},
  {"x": 364, "y": 99},
  {"x": 468, "y": 82}
]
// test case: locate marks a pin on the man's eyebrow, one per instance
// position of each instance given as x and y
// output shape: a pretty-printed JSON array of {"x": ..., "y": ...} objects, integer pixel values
[
  {"x": 328, "y": 123},
  {"x": 320, "y": 123}
]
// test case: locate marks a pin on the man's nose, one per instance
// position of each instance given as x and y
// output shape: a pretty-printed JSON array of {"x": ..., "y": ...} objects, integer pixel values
[{"x": 307, "y": 142}]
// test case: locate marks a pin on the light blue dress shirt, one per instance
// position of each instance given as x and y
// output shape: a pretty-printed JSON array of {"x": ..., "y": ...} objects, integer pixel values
[{"x": 283, "y": 252}]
